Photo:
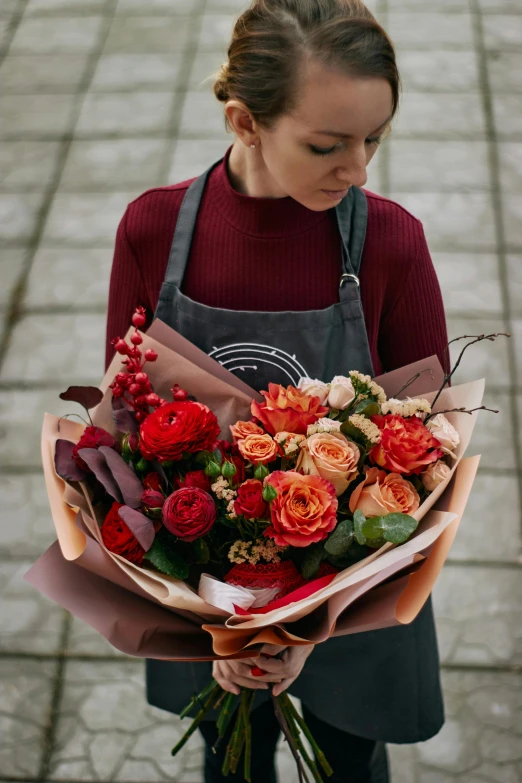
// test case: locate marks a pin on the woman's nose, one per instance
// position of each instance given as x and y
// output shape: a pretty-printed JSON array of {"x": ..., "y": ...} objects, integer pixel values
[{"x": 354, "y": 170}]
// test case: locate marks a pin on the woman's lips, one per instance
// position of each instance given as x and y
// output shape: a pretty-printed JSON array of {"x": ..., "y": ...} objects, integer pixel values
[{"x": 336, "y": 194}]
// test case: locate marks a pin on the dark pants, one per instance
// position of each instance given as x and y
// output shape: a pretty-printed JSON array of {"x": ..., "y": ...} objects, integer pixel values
[{"x": 353, "y": 759}]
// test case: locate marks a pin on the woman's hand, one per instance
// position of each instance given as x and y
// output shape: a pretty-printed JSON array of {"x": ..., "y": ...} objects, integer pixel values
[{"x": 233, "y": 674}]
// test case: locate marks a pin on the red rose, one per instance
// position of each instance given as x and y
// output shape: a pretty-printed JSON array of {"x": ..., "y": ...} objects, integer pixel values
[
  {"x": 406, "y": 445},
  {"x": 249, "y": 501},
  {"x": 177, "y": 428},
  {"x": 151, "y": 500},
  {"x": 152, "y": 481},
  {"x": 92, "y": 438},
  {"x": 118, "y": 538},
  {"x": 189, "y": 513},
  {"x": 194, "y": 478}
]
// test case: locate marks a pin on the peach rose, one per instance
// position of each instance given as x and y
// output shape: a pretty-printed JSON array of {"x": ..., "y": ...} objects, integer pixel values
[
  {"x": 384, "y": 493},
  {"x": 435, "y": 474},
  {"x": 406, "y": 446},
  {"x": 304, "y": 511},
  {"x": 241, "y": 429},
  {"x": 258, "y": 448},
  {"x": 314, "y": 388},
  {"x": 287, "y": 410},
  {"x": 332, "y": 456}
]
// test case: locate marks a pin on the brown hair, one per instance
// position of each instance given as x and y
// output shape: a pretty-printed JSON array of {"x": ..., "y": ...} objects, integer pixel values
[{"x": 272, "y": 38}]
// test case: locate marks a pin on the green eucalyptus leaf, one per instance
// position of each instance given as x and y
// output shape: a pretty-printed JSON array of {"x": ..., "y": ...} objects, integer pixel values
[
  {"x": 372, "y": 528},
  {"x": 167, "y": 560},
  {"x": 398, "y": 527},
  {"x": 367, "y": 408},
  {"x": 341, "y": 539},
  {"x": 376, "y": 543},
  {"x": 201, "y": 551},
  {"x": 358, "y": 520},
  {"x": 312, "y": 560}
]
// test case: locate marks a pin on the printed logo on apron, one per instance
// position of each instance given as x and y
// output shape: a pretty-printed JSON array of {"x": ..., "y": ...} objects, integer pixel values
[{"x": 245, "y": 359}]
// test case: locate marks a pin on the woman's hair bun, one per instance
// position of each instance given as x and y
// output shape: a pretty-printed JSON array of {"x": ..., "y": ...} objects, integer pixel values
[{"x": 221, "y": 83}]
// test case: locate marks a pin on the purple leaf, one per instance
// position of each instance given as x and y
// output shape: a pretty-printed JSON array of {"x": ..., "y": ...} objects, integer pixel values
[
  {"x": 140, "y": 526},
  {"x": 123, "y": 415},
  {"x": 128, "y": 482},
  {"x": 158, "y": 468},
  {"x": 64, "y": 462},
  {"x": 88, "y": 396},
  {"x": 96, "y": 461}
]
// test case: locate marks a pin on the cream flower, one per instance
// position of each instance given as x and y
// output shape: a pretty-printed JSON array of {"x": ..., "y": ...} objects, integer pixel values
[
  {"x": 341, "y": 392},
  {"x": 289, "y": 442},
  {"x": 370, "y": 430},
  {"x": 314, "y": 388},
  {"x": 406, "y": 408},
  {"x": 435, "y": 474},
  {"x": 323, "y": 425},
  {"x": 445, "y": 432},
  {"x": 358, "y": 379}
]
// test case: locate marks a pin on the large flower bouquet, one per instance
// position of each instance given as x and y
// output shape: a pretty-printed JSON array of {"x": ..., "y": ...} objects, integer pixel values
[{"x": 236, "y": 514}]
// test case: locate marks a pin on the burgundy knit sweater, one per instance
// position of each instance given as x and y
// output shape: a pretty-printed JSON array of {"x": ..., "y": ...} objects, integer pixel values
[{"x": 268, "y": 254}]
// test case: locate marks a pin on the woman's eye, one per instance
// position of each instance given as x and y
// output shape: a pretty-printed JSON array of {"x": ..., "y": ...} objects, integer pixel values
[{"x": 370, "y": 142}]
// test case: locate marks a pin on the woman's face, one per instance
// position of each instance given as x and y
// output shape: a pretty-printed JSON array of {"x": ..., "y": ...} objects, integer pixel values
[{"x": 299, "y": 158}]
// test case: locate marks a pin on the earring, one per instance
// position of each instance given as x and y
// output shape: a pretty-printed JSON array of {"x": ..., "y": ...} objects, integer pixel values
[{"x": 252, "y": 146}]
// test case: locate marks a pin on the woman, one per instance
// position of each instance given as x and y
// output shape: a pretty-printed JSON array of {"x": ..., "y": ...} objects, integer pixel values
[{"x": 292, "y": 269}]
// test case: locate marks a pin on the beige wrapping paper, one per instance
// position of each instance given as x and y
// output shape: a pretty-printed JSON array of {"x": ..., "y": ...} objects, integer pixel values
[{"x": 387, "y": 588}]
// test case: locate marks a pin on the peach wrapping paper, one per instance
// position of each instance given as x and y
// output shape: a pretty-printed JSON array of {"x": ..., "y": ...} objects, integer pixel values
[{"x": 148, "y": 614}]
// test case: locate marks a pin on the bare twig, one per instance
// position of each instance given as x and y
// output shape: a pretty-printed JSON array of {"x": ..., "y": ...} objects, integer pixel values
[
  {"x": 412, "y": 380},
  {"x": 460, "y": 410}
]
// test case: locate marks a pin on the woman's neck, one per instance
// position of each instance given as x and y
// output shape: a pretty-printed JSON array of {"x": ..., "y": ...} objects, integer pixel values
[{"x": 249, "y": 175}]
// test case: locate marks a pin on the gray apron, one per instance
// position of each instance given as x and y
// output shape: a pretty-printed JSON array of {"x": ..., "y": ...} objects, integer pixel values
[{"x": 383, "y": 685}]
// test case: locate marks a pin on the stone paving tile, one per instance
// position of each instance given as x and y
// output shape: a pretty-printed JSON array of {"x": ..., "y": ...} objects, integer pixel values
[
  {"x": 456, "y": 71},
  {"x": 204, "y": 66},
  {"x": 25, "y": 695},
  {"x": 216, "y": 32},
  {"x": 478, "y": 615},
  {"x": 480, "y": 741},
  {"x": 513, "y": 220},
  {"x": 21, "y": 417},
  {"x": 167, "y": 7},
  {"x": 18, "y": 215},
  {"x": 154, "y": 34},
  {"x": 11, "y": 263},
  {"x": 45, "y": 36},
  {"x": 64, "y": 7},
  {"x": 429, "y": 30},
  {"x": 202, "y": 116},
  {"x": 500, "y": 6},
  {"x": 470, "y": 283},
  {"x": 8, "y": 7},
  {"x": 425, "y": 165},
  {"x": 452, "y": 6},
  {"x": 26, "y": 525},
  {"x": 42, "y": 73},
  {"x": 59, "y": 274},
  {"x": 30, "y": 622},
  {"x": 491, "y": 526},
  {"x": 24, "y": 163},
  {"x": 507, "y": 112},
  {"x": 514, "y": 275},
  {"x": 440, "y": 115},
  {"x": 84, "y": 640},
  {"x": 124, "y": 114},
  {"x": 111, "y": 165},
  {"x": 85, "y": 218},
  {"x": 107, "y": 731},
  {"x": 191, "y": 157},
  {"x": 493, "y": 436},
  {"x": 489, "y": 360},
  {"x": 118, "y": 72},
  {"x": 47, "y": 347},
  {"x": 505, "y": 71},
  {"x": 36, "y": 116},
  {"x": 502, "y": 32},
  {"x": 453, "y": 221},
  {"x": 510, "y": 155}
]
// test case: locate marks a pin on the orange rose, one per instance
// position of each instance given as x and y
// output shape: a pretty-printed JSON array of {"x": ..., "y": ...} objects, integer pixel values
[
  {"x": 332, "y": 456},
  {"x": 241, "y": 429},
  {"x": 304, "y": 511},
  {"x": 258, "y": 448},
  {"x": 289, "y": 410},
  {"x": 384, "y": 493},
  {"x": 406, "y": 446}
]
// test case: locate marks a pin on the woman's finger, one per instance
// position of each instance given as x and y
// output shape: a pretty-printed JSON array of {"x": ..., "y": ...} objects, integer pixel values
[
  {"x": 282, "y": 686},
  {"x": 226, "y": 684},
  {"x": 249, "y": 682}
]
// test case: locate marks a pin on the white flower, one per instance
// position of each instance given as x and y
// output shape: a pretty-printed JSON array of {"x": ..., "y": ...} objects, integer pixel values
[
  {"x": 313, "y": 387},
  {"x": 406, "y": 408},
  {"x": 231, "y": 511},
  {"x": 323, "y": 425},
  {"x": 435, "y": 474},
  {"x": 252, "y": 552},
  {"x": 372, "y": 388},
  {"x": 341, "y": 392},
  {"x": 289, "y": 442},
  {"x": 370, "y": 430},
  {"x": 445, "y": 432}
]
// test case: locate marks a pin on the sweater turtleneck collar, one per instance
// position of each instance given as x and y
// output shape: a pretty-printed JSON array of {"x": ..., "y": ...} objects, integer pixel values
[{"x": 263, "y": 217}]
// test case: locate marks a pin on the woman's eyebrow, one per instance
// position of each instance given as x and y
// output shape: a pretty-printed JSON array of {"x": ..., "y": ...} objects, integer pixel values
[{"x": 348, "y": 136}]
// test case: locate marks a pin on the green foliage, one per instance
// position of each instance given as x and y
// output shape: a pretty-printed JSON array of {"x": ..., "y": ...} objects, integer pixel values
[
  {"x": 314, "y": 555},
  {"x": 201, "y": 551},
  {"x": 358, "y": 520},
  {"x": 341, "y": 539},
  {"x": 396, "y": 528},
  {"x": 163, "y": 556},
  {"x": 367, "y": 408}
]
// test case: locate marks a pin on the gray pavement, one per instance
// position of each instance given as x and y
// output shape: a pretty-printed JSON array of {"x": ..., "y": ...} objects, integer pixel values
[{"x": 102, "y": 99}]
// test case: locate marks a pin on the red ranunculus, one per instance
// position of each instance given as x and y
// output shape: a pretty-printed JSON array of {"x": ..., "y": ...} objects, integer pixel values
[
  {"x": 92, "y": 438},
  {"x": 249, "y": 502},
  {"x": 153, "y": 481},
  {"x": 177, "y": 428},
  {"x": 189, "y": 513},
  {"x": 406, "y": 445},
  {"x": 194, "y": 478},
  {"x": 287, "y": 410},
  {"x": 118, "y": 538}
]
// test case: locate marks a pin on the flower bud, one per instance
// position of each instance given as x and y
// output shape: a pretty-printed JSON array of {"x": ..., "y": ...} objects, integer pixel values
[
  {"x": 269, "y": 493},
  {"x": 228, "y": 470},
  {"x": 213, "y": 470},
  {"x": 142, "y": 464},
  {"x": 130, "y": 443},
  {"x": 261, "y": 472},
  {"x": 152, "y": 502}
]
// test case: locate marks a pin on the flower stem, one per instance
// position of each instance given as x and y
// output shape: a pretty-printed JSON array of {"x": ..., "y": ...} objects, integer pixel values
[
  {"x": 299, "y": 720},
  {"x": 207, "y": 706}
]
